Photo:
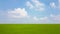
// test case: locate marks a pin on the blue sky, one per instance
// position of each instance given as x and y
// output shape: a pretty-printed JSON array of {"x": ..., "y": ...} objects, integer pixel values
[{"x": 29, "y": 11}]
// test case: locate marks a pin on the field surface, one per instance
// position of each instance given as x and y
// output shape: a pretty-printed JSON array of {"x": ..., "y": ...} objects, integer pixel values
[{"x": 29, "y": 28}]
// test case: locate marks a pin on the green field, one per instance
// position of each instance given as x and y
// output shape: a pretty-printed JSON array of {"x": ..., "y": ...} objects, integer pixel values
[{"x": 29, "y": 28}]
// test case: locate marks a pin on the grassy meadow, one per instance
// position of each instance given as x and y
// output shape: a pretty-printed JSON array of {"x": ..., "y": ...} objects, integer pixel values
[{"x": 29, "y": 28}]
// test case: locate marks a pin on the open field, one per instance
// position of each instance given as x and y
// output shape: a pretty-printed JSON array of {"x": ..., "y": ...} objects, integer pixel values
[{"x": 29, "y": 28}]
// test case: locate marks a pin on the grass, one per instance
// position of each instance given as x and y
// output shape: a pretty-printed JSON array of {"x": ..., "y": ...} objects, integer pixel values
[{"x": 29, "y": 28}]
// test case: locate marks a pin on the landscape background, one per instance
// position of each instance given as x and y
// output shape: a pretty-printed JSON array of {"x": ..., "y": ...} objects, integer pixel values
[{"x": 29, "y": 16}]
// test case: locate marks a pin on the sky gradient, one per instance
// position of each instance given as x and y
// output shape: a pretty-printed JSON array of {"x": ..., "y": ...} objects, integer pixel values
[{"x": 30, "y": 11}]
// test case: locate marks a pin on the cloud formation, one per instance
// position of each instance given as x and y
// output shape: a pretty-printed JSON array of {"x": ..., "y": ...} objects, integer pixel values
[
  {"x": 44, "y": 18},
  {"x": 28, "y": 4},
  {"x": 27, "y": 13},
  {"x": 35, "y": 18},
  {"x": 17, "y": 13},
  {"x": 52, "y": 4},
  {"x": 40, "y": 19},
  {"x": 36, "y": 5},
  {"x": 55, "y": 17}
]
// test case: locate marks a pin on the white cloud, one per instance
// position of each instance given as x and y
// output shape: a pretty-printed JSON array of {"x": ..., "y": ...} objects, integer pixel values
[
  {"x": 41, "y": 20},
  {"x": 29, "y": 4},
  {"x": 55, "y": 17},
  {"x": 17, "y": 13},
  {"x": 35, "y": 18},
  {"x": 53, "y": 5},
  {"x": 39, "y": 5},
  {"x": 44, "y": 18},
  {"x": 40, "y": 9},
  {"x": 36, "y": 5},
  {"x": 51, "y": 15}
]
